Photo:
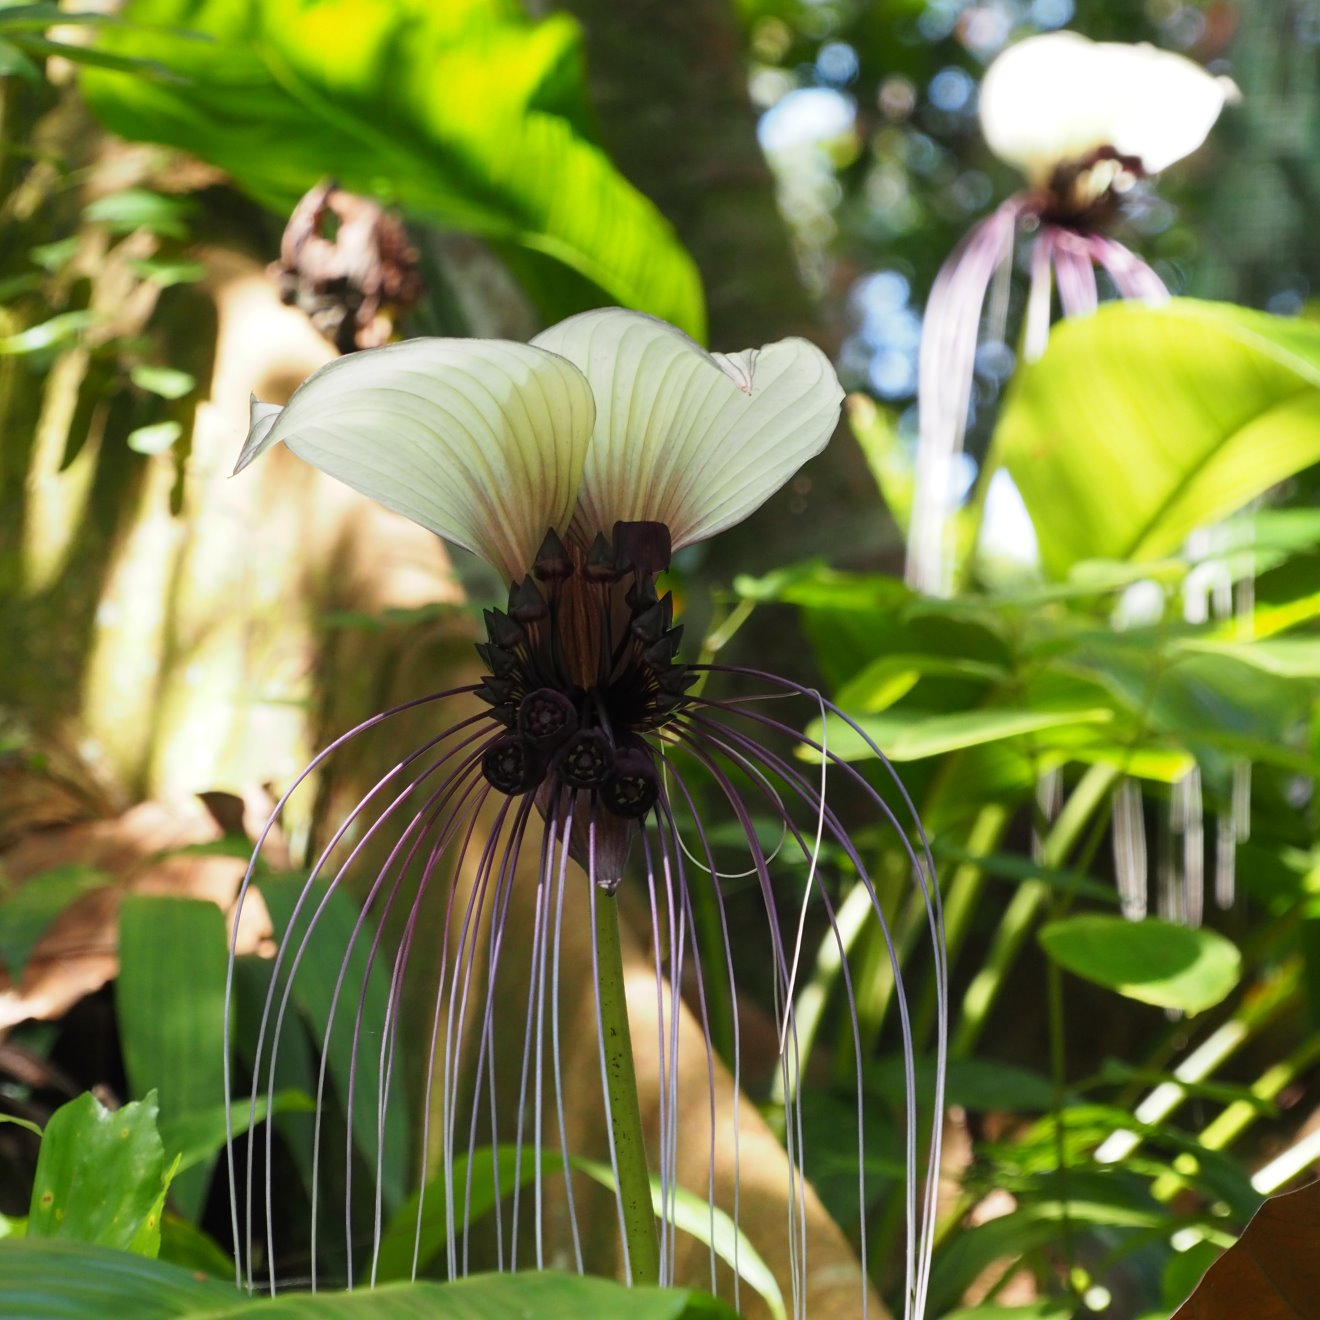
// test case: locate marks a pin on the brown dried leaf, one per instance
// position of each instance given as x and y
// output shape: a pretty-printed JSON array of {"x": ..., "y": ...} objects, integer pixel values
[
  {"x": 1272, "y": 1272},
  {"x": 139, "y": 850}
]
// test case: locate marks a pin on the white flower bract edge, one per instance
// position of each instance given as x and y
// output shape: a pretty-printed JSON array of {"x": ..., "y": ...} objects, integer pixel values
[
  {"x": 610, "y": 415},
  {"x": 1056, "y": 98}
]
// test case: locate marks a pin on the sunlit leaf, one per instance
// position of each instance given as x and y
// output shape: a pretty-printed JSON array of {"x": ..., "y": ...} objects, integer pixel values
[
  {"x": 168, "y": 382},
  {"x": 889, "y": 460},
  {"x": 54, "y": 333},
  {"x": 465, "y": 114},
  {"x": 168, "y": 273},
  {"x": 1140, "y": 424},
  {"x": 911, "y": 735},
  {"x": 1153, "y": 961},
  {"x": 154, "y": 439},
  {"x": 1284, "y": 657},
  {"x": 139, "y": 208},
  {"x": 100, "y": 1174}
]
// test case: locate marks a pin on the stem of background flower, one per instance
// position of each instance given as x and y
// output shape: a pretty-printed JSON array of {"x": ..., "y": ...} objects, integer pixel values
[
  {"x": 1059, "y": 1078},
  {"x": 621, "y": 1097},
  {"x": 1090, "y": 795}
]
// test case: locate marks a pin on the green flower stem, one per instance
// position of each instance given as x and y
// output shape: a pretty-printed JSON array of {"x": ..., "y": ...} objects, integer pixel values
[
  {"x": 1020, "y": 916},
  {"x": 621, "y": 1094}
]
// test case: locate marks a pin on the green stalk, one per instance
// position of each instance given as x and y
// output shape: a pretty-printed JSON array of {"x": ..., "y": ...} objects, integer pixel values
[
  {"x": 621, "y": 1095},
  {"x": 1020, "y": 915}
]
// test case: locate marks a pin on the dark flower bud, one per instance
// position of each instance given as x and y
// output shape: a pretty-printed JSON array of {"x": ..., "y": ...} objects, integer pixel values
[
  {"x": 545, "y": 717},
  {"x": 526, "y": 604},
  {"x": 511, "y": 766},
  {"x": 651, "y": 623},
  {"x": 676, "y": 680},
  {"x": 661, "y": 653},
  {"x": 634, "y": 787},
  {"x": 495, "y": 691},
  {"x": 641, "y": 595},
  {"x": 552, "y": 563},
  {"x": 500, "y": 662},
  {"x": 502, "y": 631},
  {"x": 586, "y": 760},
  {"x": 601, "y": 565}
]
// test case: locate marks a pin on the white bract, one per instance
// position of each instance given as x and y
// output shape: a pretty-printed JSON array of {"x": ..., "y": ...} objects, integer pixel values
[
  {"x": 1057, "y": 98},
  {"x": 609, "y": 416}
]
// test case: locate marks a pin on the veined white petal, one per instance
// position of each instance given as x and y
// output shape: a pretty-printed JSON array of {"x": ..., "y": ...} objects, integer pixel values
[
  {"x": 688, "y": 438},
  {"x": 480, "y": 440},
  {"x": 1058, "y": 97}
]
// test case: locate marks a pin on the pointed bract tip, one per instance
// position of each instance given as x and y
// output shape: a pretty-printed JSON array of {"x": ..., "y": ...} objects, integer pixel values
[{"x": 261, "y": 422}]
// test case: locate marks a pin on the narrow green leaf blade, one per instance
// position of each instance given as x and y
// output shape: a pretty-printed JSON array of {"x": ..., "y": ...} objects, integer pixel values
[
  {"x": 170, "y": 1003},
  {"x": 912, "y": 735}
]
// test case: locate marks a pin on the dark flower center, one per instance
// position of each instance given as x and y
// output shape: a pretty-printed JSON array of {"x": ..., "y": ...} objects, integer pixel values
[
  {"x": 1088, "y": 194},
  {"x": 582, "y": 668}
]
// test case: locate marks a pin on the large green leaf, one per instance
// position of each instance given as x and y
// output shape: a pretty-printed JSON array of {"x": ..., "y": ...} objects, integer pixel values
[
  {"x": 69, "y": 1281},
  {"x": 1153, "y": 961},
  {"x": 464, "y": 114},
  {"x": 169, "y": 1000},
  {"x": 1140, "y": 424},
  {"x": 100, "y": 1176}
]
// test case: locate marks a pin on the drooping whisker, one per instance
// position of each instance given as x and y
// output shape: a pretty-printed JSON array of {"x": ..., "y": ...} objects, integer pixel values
[
  {"x": 1040, "y": 295},
  {"x": 457, "y": 995},
  {"x": 544, "y": 877},
  {"x": 279, "y": 976},
  {"x": 485, "y": 1052},
  {"x": 554, "y": 1047},
  {"x": 789, "y": 1060},
  {"x": 276, "y": 814},
  {"x": 468, "y": 807},
  {"x": 741, "y": 748},
  {"x": 666, "y": 810},
  {"x": 665, "y": 826},
  {"x": 923, "y": 870},
  {"x": 456, "y": 794}
]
